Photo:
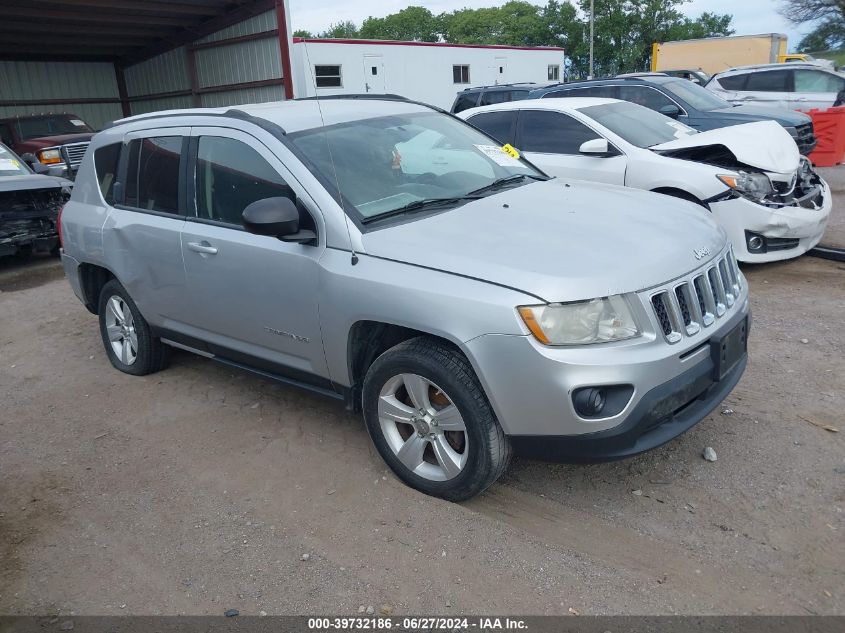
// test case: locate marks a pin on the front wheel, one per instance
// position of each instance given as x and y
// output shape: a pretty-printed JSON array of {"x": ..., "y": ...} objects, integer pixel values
[{"x": 431, "y": 422}]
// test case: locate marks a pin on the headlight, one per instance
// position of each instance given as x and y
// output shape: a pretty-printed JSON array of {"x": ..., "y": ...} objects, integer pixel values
[
  {"x": 595, "y": 321},
  {"x": 50, "y": 156},
  {"x": 756, "y": 186}
]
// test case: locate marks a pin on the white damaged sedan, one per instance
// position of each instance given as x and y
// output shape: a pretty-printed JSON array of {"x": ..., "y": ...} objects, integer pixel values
[{"x": 767, "y": 196}]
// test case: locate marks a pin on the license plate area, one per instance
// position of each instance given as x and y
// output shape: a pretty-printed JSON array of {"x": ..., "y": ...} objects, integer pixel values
[{"x": 726, "y": 351}]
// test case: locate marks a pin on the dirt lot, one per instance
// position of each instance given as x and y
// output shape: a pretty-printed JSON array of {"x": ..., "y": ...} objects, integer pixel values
[{"x": 200, "y": 489}]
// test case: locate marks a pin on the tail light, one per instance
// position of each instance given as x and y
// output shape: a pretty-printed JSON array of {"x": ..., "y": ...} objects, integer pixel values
[{"x": 59, "y": 225}]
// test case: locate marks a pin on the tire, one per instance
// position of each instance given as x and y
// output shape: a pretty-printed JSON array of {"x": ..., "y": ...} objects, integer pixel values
[
  {"x": 137, "y": 351},
  {"x": 457, "y": 449}
]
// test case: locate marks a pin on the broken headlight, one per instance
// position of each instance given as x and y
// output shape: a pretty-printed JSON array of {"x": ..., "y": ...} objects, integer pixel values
[{"x": 754, "y": 186}]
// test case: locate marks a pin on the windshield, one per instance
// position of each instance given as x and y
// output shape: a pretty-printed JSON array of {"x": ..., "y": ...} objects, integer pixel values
[
  {"x": 697, "y": 97},
  {"x": 51, "y": 126},
  {"x": 385, "y": 164},
  {"x": 636, "y": 124},
  {"x": 10, "y": 164}
]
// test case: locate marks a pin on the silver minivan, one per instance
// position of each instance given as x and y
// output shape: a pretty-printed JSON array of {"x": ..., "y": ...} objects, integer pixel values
[{"x": 389, "y": 255}]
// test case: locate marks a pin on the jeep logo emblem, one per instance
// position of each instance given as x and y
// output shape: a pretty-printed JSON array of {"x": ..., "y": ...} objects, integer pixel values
[{"x": 701, "y": 253}]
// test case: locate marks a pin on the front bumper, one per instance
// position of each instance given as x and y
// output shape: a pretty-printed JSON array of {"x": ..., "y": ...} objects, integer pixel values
[
  {"x": 661, "y": 415},
  {"x": 807, "y": 226},
  {"x": 531, "y": 387}
]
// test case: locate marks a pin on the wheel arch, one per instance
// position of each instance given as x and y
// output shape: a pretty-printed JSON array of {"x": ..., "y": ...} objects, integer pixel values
[
  {"x": 369, "y": 339},
  {"x": 92, "y": 278},
  {"x": 677, "y": 192}
]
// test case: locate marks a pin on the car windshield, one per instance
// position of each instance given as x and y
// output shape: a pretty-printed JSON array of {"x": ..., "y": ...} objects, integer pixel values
[
  {"x": 385, "y": 165},
  {"x": 697, "y": 97},
  {"x": 636, "y": 124},
  {"x": 37, "y": 127},
  {"x": 10, "y": 164}
]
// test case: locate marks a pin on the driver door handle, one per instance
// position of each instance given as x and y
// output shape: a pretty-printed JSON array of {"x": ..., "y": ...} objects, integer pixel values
[{"x": 202, "y": 247}]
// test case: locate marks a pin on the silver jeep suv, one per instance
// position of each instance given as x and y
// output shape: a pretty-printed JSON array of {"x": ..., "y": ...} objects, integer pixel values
[{"x": 387, "y": 254}]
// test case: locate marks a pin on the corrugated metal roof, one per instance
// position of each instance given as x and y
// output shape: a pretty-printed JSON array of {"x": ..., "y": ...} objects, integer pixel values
[{"x": 124, "y": 31}]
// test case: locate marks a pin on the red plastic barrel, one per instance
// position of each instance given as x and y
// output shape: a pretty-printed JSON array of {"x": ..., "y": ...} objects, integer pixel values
[{"x": 829, "y": 128}]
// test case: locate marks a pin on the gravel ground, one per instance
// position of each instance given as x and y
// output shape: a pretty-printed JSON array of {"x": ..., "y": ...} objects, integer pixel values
[{"x": 201, "y": 488}]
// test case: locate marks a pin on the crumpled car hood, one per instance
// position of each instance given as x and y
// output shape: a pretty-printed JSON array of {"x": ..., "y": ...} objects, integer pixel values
[
  {"x": 32, "y": 181},
  {"x": 763, "y": 144},
  {"x": 559, "y": 240}
]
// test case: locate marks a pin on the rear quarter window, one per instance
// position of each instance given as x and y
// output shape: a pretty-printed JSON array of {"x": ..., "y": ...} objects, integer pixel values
[
  {"x": 106, "y": 159},
  {"x": 733, "y": 82},
  {"x": 465, "y": 102}
]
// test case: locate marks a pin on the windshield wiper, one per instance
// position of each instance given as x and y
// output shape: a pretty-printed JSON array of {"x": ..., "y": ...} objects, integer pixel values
[
  {"x": 501, "y": 182},
  {"x": 418, "y": 205}
]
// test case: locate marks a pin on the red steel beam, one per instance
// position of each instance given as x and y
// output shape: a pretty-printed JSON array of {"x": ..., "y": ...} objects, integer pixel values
[{"x": 284, "y": 48}]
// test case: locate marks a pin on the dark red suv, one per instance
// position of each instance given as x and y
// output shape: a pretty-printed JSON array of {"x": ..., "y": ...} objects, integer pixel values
[{"x": 49, "y": 139}]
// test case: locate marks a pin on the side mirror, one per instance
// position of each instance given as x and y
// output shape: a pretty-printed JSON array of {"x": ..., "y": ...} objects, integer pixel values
[
  {"x": 39, "y": 168},
  {"x": 276, "y": 217},
  {"x": 597, "y": 147},
  {"x": 29, "y": 157},
  {"x": 670, "y": 110}
]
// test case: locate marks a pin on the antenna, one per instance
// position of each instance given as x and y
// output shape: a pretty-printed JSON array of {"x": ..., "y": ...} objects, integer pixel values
[{"x": 331, "y": 157}]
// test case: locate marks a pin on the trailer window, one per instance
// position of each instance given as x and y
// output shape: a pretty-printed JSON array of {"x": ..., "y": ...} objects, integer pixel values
[
  {"x": 460, "y": 73},
  {"x": 554, "y": 72},
  {"x": 328, "y": 77}
]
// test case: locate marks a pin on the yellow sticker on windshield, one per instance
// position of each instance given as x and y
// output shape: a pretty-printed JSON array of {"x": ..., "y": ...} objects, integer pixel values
[{"x": 510, "y": 150}]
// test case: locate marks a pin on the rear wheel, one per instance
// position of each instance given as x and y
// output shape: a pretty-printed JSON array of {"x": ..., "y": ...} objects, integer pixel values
[
  {"x": 431, "y": 422},
  {"x": 129, "y": 343}
]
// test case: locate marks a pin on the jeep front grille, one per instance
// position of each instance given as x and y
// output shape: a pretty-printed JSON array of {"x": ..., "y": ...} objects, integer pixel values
[
  {"x": 74, "y": 153},
  {"x": 688, "y": 305},
  {"x": 805, "y": 138}
]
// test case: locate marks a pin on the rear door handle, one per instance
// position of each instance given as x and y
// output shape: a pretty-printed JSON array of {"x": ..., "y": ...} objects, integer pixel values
[{"x": 202, "y": 247}]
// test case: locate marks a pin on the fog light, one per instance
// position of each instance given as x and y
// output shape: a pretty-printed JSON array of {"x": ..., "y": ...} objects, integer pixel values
[
  {"x": 756, "y": 243},
  {"x": 603, "y": 401},
  {"x": 589, "y": 402}
]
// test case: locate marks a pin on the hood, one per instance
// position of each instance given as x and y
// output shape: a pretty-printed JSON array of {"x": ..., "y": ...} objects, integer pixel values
[
  {"x": 32, "y": 181},
  {"x": 749, "y": 113},
  {"x": 49, "y": 141},
  {"x": 764, "y": 145},
  {"x": 559, "y": 241}
]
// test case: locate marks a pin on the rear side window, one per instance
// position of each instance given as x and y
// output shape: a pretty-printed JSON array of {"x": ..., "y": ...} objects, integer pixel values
[
  {"x": 769, "y": 81},
  {"x": 230, "y": 176},
  {"x": 733, "y": 82},
  {"x": 152, "y": 176},
  {"x": 495, "y": 96},
  {"x": 465, "y": 102},
  {"x": 816, "y": 81},
  {"x": 648, "y": 97},
  {"x": 499, "y": 125},
  {"x": 105, "y": 163},
  {"x": 551, "y": 132}
]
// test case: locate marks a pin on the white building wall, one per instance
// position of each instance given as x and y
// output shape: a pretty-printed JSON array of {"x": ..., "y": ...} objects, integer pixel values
[{"x": 418, "y": 71}]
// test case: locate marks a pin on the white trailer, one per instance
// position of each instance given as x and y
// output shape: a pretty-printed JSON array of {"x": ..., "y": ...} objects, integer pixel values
[{"x": 423, "y": 71}]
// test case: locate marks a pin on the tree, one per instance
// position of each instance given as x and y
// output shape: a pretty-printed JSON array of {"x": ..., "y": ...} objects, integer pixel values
[
  {"x": 415, "y": 24},
  {"x": 828, "y": 16},
  {"x": 303, "y": 34},
  {"x": 341, "y": 30}
]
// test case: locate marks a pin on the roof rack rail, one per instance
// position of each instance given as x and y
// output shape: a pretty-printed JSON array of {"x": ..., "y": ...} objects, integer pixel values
[
  {"x": 508, "y": 85},
  {"x": 367, "y": 95}
]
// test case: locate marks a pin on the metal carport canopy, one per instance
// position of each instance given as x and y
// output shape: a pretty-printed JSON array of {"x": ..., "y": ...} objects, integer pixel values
[{"x": 126, "y": 32}]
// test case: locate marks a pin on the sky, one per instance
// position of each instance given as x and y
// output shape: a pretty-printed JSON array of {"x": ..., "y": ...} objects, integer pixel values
[{"x": 750, "y": 16}]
